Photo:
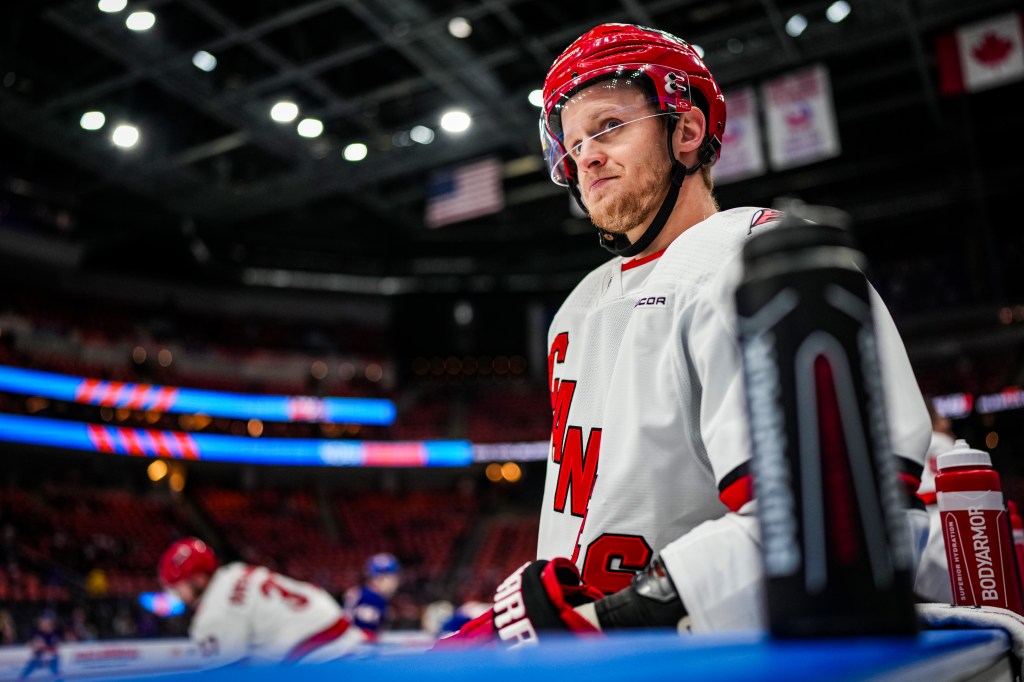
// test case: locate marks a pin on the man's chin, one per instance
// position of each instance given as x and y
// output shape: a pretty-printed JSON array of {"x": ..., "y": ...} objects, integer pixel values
[{"x": 601, "y": 221}]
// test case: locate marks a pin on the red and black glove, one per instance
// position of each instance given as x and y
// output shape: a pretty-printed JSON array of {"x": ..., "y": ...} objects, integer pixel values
[{"x": 541, "y": 595}]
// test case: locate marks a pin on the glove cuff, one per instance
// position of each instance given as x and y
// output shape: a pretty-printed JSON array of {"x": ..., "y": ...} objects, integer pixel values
[{"x": 541, "y": 596}]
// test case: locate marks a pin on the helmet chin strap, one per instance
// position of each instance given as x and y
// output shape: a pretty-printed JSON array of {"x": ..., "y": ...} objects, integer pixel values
[{"x": 619, "y": 244}]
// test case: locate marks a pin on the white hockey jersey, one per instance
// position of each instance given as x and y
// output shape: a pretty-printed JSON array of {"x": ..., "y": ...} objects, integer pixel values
[
  {"x": 251, "y": 613},
  {"x": 650, "y": 448}
]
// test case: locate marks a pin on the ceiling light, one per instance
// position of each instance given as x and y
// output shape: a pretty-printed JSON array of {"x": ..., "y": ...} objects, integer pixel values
[
  {"x": 355, "y": 152},
  {"x": 112, "y": 5},
  {"x": 536, "y": 98},
  {"x": 734, "y": 45},
  {"x": 460, "y": 27},
  {"x": 310, "y": 127},
  {"x": 284, "y": 112},
  {"x": 204, "y": 61},
  {"x": 140, "y": 21},
  {"x": 796, "y": 25},
  {"x": 421, "y": 134},
  {"x": 698, "y": 49},
  {"x": 92, "y": 120},
  {"x": 125, "y": 136},
  {"x": 456, "y": 121},
  {"x": 837, "y": 11}
]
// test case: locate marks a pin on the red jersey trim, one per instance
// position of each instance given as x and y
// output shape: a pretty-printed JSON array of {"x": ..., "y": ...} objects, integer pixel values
[
  {"x": 910, "y": 482},
  {"x": 928, "y": 498},
  {"x": 738, "y": 493},
  {"x": 636, "y": 262},
  {"x": 314, "y": 642}
]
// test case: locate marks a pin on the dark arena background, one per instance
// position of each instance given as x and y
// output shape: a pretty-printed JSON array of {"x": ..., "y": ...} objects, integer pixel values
[{"x": 254, "y": 289}]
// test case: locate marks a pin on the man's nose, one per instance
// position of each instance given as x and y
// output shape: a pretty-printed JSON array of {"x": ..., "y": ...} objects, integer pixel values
[{"x": 591, "y": 154}]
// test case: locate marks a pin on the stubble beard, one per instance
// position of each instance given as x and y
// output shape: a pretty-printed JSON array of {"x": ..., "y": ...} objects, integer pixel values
[{"x": 632, "y": 207}]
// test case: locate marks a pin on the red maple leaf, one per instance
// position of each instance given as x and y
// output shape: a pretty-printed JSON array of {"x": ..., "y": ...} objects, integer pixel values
[{"x": 992, "y": 49}]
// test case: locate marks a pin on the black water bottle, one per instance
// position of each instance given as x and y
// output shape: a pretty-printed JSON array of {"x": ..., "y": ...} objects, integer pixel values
[{"x": 835, "y": 542}]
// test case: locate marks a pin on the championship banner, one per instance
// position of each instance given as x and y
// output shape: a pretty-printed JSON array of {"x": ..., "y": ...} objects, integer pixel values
[
  {"x": 982, "y": 55},
  {"x": 801, "y": 118},
  {"x": 742, "y": 152}
]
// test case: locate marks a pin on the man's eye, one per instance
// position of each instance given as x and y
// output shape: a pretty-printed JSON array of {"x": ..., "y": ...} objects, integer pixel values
[
  {"x": 574, "y": 150},
  {"x": 612, "y": 123}
]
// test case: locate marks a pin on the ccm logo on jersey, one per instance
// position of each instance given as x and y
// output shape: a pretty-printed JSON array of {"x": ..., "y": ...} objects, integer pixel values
[{"x": 650, "y": 300}]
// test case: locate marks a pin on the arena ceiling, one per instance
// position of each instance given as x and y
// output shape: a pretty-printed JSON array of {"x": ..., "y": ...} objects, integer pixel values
[{"x": 216, "y": 189}]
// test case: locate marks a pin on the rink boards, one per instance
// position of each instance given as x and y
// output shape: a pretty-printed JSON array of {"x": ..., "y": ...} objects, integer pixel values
[{"x": 932, "y": 656}]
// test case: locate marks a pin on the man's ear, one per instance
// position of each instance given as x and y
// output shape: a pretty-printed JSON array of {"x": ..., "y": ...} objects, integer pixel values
[{"x": 689, "y": 132}]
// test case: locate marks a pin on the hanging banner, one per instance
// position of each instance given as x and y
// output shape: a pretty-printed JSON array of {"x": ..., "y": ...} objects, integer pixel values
[
  {"x": 469, "y": 191},
  {"x": 801, "y": 118},
  {"x": 981, "y": 55},
  {"x": 742, "y": 152}
]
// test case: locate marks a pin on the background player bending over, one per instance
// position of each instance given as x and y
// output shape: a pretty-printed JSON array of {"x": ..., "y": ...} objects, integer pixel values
[
  {"x": 249, "y": 613},
  {"x": 648, "y": 495}
]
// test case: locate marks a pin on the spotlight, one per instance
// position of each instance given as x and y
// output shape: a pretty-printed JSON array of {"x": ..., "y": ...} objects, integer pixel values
[
  {"x": 460, "y": 27},
  {"x": 92, "y": 120},
  {"x": 204, "y": 61},
  {"x": 111, "y": 6},
  {"x": 310, "y": 127},
  {"x": 796, "y": 25},
  {"x": 422, "y": 135},
  {"x": 125, "y": 136},
  {"x": 355, "y": 152},
  {"x": 456, "y": 121},
  {"x": 140, "y": 21},
  {"x": 284, "y": 111}
]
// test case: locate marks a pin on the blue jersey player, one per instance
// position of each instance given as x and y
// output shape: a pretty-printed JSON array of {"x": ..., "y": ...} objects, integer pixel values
[
  {"x": 43, "y": 643},
  {"x": 366, "y": 605}
]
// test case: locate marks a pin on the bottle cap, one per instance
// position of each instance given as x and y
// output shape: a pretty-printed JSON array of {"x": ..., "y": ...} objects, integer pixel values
[{"x": 962, "y": 455}]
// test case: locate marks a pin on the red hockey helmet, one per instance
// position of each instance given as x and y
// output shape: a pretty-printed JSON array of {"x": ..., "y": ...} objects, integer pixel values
[
  {"x": 666, "y": 66},
  {"x": 185, "y": 558}
]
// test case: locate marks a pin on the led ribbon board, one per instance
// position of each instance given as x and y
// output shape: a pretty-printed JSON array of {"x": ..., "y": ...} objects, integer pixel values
[
  {"x": 275, "y": 408},
  {"x": 217, "y": 448}
]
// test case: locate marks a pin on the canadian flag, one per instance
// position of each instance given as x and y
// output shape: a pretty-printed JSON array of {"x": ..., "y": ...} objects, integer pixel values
[{"x": 982, "y": 55}]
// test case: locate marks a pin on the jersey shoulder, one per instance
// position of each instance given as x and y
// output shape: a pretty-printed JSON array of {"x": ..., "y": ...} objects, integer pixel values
[
  {"x": 701, "y": 253},
  {"x": 588, "y": 291}
]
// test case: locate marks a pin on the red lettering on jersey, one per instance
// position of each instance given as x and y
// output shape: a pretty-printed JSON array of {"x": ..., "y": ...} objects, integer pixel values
[
  {"x": 562, "y": 401},
  {"x": 556, "y": 354},
  {"x": 293, "y": 599},
  {"x": 578, "y": 470},
  {"x": 632, "y": 553},
  {"x": 238, "y": 592}
]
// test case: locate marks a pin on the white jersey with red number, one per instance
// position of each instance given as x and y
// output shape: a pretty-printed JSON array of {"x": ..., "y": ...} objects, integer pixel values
[
  {"x": 650, "y": 449},
  {"x": 251, "y": 613}
]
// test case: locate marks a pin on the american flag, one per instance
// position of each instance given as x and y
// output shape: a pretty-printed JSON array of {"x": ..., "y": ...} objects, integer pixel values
[{"x": 465, "y": 192}]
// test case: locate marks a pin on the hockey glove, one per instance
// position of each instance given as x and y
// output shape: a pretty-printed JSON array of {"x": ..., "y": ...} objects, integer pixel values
[{"x": 541, "y": 595}]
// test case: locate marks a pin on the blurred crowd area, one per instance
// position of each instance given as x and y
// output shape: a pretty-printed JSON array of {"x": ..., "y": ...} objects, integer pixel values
[
  {"x": 81, "y": 535},
  {"x": 497, "y": 397}
]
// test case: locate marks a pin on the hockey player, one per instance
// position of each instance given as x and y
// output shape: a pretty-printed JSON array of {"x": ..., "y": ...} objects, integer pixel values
[
  {"x": 367, "y": 604},
  {"x": 245, "y": 613},
  {"x": 44, "y": 644},
  {"x": 648, "y": 510}
]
